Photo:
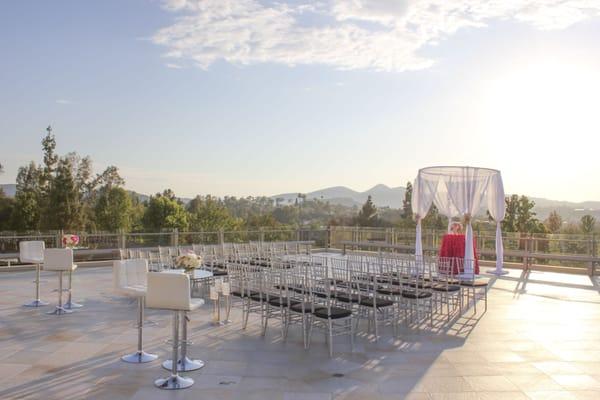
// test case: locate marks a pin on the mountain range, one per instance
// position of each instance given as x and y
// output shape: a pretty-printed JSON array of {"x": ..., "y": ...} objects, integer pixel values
[
  {"x": 385, "y": 196},
  {"x": 382, "y": 196}
]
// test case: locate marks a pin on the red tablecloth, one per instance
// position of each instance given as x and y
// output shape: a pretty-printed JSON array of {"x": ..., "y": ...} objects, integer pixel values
[{"x": 453, "y": 246}]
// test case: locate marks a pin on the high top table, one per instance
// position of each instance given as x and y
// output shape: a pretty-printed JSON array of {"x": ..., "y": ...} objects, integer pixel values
[
  {"x": 453, "y": 246},
  {"x": 195, "y": 278}
]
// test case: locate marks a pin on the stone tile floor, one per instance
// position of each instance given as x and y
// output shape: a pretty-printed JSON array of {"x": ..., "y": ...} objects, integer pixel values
[{"x": 540, "y": 339}]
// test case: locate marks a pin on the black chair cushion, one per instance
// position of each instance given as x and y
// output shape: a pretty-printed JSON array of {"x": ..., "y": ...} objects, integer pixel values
[
  {"x": 336, "y": 313},
  {"x": 258, "y": 296},
  {"x": 475, "y": 283},
  {"x": 371, "y": 302},
  {"x": 444, "y": 288},
  {"x": 307, "y": 307},
  {"x": 346, "y": 297},
  {"x": 390, "y": 291},
  {"x": 238, "y": 293},
  {"x": 281, "y": 301},
  {"x": 422, "y": 285},
  {"x": 412, "y": 294},
  {"x": 217, "y": 272}
]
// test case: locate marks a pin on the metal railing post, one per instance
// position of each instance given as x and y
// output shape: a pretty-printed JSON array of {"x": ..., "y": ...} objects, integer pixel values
[
  {"x": 592, "y": 253},
  {"x": 175, "y": 237},
  {"x": 59, "y": 235},
  {"x": 122, "y": 239}
]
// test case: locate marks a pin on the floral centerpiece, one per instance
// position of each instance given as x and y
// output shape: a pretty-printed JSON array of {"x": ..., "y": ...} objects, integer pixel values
[
  {"x": 70, "y": 241},
  {"x": 188, "y": 261}
]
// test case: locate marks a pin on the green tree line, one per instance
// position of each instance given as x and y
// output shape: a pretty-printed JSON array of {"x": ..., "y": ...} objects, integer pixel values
[{"x": 63, "y": 193}]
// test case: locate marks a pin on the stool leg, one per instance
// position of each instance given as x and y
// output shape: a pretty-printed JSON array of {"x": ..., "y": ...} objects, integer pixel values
[
  {"x": 37, "y": 302},
  {"x": 184, "y": 363},
  {"x": 69, "y": 305},
  {"x": 140, "y": 356},
  {"x": 175, "y": 381},
  {"x": 59, "y": 310}
]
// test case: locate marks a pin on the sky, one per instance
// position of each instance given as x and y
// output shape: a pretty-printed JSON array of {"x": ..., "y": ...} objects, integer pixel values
[{"x": 252, "y": 97}]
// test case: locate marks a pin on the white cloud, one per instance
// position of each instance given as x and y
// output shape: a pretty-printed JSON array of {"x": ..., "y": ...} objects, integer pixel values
[
  {"x": 63, "y": 101},
  {"x": 344, "y": 34}
]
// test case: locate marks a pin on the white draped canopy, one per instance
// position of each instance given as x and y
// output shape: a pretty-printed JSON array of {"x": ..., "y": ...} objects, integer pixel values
[{"x": 460, "y": 191}]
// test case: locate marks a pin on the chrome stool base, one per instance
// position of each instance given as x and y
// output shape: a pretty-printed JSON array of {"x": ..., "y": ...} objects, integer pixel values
[
  {"x": 70, "y": 305},
  {"x": 174, "y": 382},
  {"x": 59, "y": 311},
  {"x": 139, "y": 357},
  {"x": 184, "y": 365},
  {"x": 36, "y": 303}
]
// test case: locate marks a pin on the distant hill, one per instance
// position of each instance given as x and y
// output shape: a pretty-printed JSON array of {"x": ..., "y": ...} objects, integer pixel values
[
  {"x": 382, "y": 195},
  {"x": 569, "y": 211},
  {"x": 9, "y": 189},
  {"x": 385, "y": 196}
]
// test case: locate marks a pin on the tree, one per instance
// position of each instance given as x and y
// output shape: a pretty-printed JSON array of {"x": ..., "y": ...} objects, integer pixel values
[
  {"x": 587, "y": 224},
  {"x": 434, "y": 219},
  {"x": 63, "y": 207},
  {"x": 109, "y": 177},
  {"x": 7, "y": 206},
  {"x": 26, "y": 214},
  {"x": 50, "y": 159},
  {"x": 165, "y": 212},
  {"x": 407, "y": 212},
  {"x": 138, "y": 209},
  {"x": 209, "y": 214},
  {"x": 367, "y": 216},
  {"x": 262, "y": 221},
  {"x": 519, "y": 216},
  {"x": 113, "y": 209},
  {"x": 287, "y": 215},
  {"x": 554, "y": 222}
]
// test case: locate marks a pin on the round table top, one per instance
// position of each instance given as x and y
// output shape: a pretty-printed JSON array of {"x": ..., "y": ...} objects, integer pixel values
[{"x": 198, "y": 273}]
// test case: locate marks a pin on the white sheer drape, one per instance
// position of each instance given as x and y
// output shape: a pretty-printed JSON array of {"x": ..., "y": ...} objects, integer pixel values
[
  {"x": 460, "y": 191},
  {"x": 467, "y": 190},
  {"x": 421, "y": 202},
  {"x": 496, "y": 207},
  {"x": 444, "y": 204}
]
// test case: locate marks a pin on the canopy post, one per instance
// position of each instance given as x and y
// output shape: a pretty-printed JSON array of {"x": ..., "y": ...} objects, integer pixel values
[
  {"x": 418, "y": 240},
  {"x": 499, "y": 252},
  {"x": 469, "y": 253}
]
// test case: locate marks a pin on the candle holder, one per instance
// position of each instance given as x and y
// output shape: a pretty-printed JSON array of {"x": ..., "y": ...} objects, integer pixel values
[
  {"x": 216, "y": 315},
  {"x": 226, "y": 293},
  {"x": 219, "y": 291}
]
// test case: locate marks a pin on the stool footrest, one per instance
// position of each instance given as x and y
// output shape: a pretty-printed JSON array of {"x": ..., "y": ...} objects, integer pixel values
[
  {"x": 139, "y": 357},
  {"x": 184, "y": 365},
  {"x": 174, "y": 382}
]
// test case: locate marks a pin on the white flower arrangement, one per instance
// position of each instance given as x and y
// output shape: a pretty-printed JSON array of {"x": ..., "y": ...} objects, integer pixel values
[{"x": 188, "y": 261}]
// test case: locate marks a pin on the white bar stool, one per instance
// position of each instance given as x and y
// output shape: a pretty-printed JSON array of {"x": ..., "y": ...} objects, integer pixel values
[
  {"x": 33, "y": 252},
  {"x": 59, "y": 260},
  {"x": 130, "y": 279},
  {"x": 171, "y": 291}
]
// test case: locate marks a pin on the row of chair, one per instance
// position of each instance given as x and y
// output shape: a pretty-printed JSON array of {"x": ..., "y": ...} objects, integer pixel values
[{"x": 334, "y": 293}]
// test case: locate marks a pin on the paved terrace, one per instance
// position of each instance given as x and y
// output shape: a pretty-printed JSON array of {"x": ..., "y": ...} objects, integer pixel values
[{"x": 540, "y": 339}]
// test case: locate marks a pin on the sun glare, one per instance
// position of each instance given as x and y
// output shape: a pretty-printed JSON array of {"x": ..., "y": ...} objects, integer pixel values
[
  {"x": 550, "y": 100},
  {"x": 545, "y": 115}
]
